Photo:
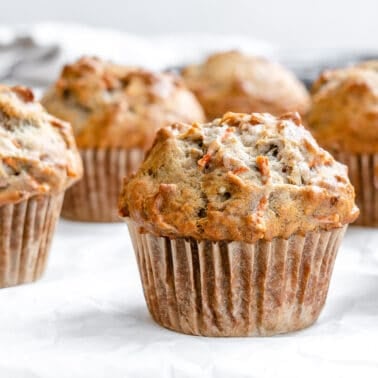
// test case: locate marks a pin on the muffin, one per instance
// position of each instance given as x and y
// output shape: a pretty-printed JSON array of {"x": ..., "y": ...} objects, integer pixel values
[
  {"x": 38, "y": 162},
  {"x": 232, "y": 81},
  {"x": 115, "y": 112},
  {"x": 236, "y": 224},
  {"x": 344, "y": 119}
]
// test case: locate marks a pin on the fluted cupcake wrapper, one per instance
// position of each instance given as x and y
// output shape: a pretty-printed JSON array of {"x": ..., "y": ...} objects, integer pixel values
[
  {"x": 95, "y": 197},
  {"x": 234, "y": 288},
  {"x": 26, "y": 231},
  {"x": 363, "y": 173}
]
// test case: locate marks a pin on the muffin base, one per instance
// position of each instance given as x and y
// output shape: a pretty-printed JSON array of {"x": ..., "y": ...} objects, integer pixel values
[
  {"x": 95, "y": 197},
  {"x": 26, "y": 231},
  {"x": 363, "y": 174},
  {"x": 234, "y": 288}
]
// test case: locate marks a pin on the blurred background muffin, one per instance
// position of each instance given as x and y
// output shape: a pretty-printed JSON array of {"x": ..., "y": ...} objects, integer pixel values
[
  {"x": 115, "y": 112},
  {"x": 233, "y": 81},
  {"x": 344, "y": 119},
  {"x": 38, "y": 162},
  {"x": 236, "y": 225}
]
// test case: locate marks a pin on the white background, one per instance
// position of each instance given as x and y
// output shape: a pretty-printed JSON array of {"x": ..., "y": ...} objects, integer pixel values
[{"x": 289, "y": 23}]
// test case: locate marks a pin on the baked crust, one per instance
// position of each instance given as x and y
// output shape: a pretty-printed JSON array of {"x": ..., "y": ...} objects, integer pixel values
[
  {"x": 117, "y": 106},
  {"x": 38, "y": 154},
  {"x": 232, "y": 81},
  {"x": 239, "y": 178},
  {"x": 344, "y": 112}
]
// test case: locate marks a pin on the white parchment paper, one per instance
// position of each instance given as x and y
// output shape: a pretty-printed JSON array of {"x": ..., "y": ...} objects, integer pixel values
[{"x": 87, "y": 318}]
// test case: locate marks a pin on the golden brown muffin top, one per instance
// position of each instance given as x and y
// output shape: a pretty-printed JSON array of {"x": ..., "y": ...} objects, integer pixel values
[
  {"x": 232, "y": 81},
  {"x": 38, "y": 154},
  {"x": 344, "y": 112},
  {"x": 242, "y": 177},
  {"x": 115, "y": 106}
]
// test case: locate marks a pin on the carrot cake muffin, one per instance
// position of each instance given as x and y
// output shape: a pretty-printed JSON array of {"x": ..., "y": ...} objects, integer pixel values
[
  {"x": 115, "y": 112},
  {"x": 38, "y": 162},
  {"x": 236, "y": 224},
  {"x": 232, "y": 81},
  {"x": 344, "y": 119}
]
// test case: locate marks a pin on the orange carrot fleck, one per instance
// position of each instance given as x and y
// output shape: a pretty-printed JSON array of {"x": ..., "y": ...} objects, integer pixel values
[
  {"x": 262, "y": 163},
  {"x": 227, "y": 133},
  {"x": 204, "y": 160},
  {"x": 238, "y": 170}
]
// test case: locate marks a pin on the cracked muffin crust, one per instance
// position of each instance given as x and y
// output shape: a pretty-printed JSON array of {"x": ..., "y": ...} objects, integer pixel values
[
  {"x": 344, "y": 111},
  {"x": 38, "y": 154},
  {"x": 241, "y": 178},
  {"x": 232, "y": 81},
  {"x": 117, "y": 106}
]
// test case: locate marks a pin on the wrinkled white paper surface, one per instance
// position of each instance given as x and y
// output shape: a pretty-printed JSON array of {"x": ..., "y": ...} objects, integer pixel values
[{"x": 87, "y": 318}]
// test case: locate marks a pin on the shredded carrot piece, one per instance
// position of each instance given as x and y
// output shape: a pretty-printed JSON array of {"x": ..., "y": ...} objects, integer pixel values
[
  {"x": 204, "y": 160},
  {"x": 238, "y": 170},
  {"x": 10, "y": 162},
  {"x": 262, "y": 163},
  {"x": 227, "y": 133}
]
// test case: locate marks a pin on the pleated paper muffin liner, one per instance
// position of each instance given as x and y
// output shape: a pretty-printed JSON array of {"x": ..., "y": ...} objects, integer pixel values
[
  {"x": 234, "y": 288},
  {"x": 95, "y": 197},
  {"x": 363, "y": 174},
  {"x": 26, "y": 230}
]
